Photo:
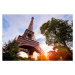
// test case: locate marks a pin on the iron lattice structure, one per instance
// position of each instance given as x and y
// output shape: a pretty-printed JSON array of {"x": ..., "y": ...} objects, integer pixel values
[{"x": 27, "y": 41}]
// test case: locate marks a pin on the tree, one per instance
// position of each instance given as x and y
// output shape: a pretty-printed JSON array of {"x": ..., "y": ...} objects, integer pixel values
[
  {"x": 59, "y": 53},
  {"x": 62, "y": 52},
  {"x": 57, "y": 32},
  {"x": 53, "y": 56},
  {"x": 11, "y": 50}
]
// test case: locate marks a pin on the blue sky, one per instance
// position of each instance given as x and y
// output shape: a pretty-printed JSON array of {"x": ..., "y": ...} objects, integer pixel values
[{"x": 14, "y": 25}]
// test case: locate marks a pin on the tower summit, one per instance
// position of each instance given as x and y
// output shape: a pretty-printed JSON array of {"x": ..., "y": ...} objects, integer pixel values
[
  {"x": 31, "y": 24},
  {"x": 27, "y": 43},
  {"x": 29, "y": 34}
]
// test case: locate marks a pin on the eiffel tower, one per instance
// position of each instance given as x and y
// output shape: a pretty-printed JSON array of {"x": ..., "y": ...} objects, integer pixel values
[{"x": 27, "y": 42}]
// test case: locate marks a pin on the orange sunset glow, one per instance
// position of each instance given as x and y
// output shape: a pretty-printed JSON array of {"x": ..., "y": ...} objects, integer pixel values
[{"x": 37, "y": 37}]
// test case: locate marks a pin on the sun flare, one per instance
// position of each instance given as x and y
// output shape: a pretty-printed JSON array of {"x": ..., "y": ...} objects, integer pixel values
[{"x": 45, "y": 53}]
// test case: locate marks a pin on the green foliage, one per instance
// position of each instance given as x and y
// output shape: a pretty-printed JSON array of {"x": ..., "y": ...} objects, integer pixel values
[
  {"x": 56, "y": 31},
  {"x": 11, "y": 50}
]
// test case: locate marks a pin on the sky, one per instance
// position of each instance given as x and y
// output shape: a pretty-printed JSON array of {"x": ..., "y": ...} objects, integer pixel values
[{"x": 14, "y": 25}]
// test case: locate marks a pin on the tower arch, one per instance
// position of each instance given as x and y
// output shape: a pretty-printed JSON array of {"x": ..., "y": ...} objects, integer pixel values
[{"x": 27, "y": 42}]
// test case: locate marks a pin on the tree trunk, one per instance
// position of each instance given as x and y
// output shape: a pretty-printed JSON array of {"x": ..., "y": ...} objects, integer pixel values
[{"x": 71, "y": 54}]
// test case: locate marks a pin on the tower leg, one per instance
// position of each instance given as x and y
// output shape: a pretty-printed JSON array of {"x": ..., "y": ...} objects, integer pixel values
[{"x": 30, "y": 54}]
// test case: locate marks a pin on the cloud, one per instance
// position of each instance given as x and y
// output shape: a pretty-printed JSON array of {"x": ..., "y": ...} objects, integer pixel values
[
  {"x": 45, "y": 47},
  {"x": 15, "y": 25},
  {"x": 44, "y": 18}
]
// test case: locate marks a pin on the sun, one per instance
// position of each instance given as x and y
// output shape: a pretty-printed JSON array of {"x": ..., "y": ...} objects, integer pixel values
[{"x": 45, "y": 53}]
